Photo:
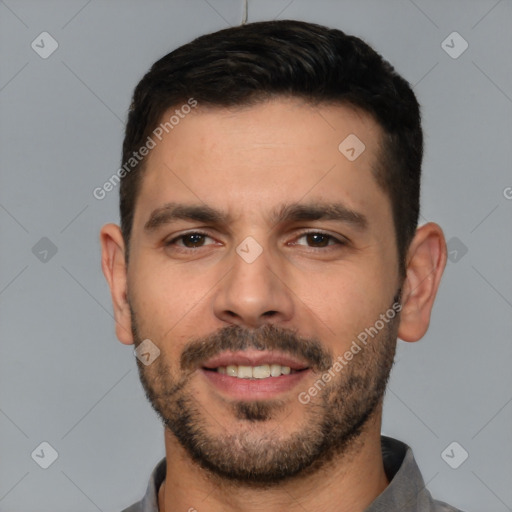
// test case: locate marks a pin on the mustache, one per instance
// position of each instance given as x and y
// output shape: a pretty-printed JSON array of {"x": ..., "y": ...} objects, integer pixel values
[{"x": 267, "y": 337}]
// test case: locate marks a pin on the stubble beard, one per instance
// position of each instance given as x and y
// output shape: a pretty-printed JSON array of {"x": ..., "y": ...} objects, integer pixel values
[{"x": 255, "y": 454}]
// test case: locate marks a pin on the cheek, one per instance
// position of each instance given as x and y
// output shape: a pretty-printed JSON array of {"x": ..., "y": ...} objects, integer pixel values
[
  {"x": 341, "y": 304},
  {"x": 165, "y": 297}
]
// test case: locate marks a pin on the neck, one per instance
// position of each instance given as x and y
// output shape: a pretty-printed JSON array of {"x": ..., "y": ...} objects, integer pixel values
[{"x": 349, "y": 482}]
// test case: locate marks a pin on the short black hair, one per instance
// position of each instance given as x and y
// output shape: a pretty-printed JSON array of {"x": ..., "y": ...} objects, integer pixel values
[{"x": 251, "y": 63}]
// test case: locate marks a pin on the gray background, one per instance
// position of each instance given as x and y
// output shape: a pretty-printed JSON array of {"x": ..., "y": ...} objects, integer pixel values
[{"x": 66, "y": 380}]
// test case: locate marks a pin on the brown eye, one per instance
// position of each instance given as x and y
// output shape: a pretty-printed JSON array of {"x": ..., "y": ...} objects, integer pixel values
[
  {"x": 319, "y": 240},
  {"x": 193, "y": 240}
]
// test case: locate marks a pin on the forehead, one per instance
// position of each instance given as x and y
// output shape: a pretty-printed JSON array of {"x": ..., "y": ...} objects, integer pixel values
[{"x": 251, "y": 160}]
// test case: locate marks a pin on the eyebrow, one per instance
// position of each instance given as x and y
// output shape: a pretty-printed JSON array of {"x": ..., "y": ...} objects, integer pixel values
[{"x": 293, "y": 212}]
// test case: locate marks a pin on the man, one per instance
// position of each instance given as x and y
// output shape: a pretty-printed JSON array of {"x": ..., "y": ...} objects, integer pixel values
[{"x": 267, "y": 260}]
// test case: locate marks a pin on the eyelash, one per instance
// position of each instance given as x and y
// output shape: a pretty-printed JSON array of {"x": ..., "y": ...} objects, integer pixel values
[{"x": 337, "y": 241}]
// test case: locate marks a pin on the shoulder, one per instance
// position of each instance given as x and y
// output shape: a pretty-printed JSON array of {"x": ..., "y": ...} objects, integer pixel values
[
  {"x": 149, "y": 503},
  {"x": 441, "y": 506},
  {"x": 136, "y": 507}
]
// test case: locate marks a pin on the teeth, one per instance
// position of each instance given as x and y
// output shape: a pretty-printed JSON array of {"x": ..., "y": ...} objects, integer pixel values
[
  {"x": 275, "y": 370},
  {"x": 254, "y": 372},
  {"x": 260, "y": 372},
  {"x": 244, "y": 372}
]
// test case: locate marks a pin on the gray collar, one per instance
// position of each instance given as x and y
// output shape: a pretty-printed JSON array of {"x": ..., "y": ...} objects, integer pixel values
[{"x": 406, "y": 491}]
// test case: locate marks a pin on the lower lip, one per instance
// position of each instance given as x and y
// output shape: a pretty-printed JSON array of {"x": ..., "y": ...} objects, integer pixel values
[{"x": 254, "y": 389}]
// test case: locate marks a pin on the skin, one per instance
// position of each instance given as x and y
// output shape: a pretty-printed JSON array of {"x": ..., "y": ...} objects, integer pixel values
[{"x": 247, "y": 162}]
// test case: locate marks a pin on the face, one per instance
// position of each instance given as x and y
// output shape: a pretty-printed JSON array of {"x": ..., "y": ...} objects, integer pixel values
[{"x": 259, "y": 255}]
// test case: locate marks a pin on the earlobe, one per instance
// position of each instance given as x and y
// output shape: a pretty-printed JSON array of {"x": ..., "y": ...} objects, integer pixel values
[
  {"x": 426, "y": 260},
  {"x": 113, "y": 264}
]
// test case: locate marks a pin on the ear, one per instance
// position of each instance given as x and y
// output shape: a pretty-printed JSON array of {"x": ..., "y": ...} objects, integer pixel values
[
  {"x": 113, "y": 264},
  {"x": 426, "y": 260}
]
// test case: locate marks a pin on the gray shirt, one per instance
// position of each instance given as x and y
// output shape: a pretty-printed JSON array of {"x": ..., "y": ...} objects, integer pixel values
[{"x": 406, "y": 491}]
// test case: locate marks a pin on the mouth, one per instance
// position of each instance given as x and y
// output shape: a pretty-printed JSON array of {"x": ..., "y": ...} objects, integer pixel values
[
  {"x": 254, "y": 374},
  {"x": 255, "y": 364},
  {"x": 263, "y": 371}
]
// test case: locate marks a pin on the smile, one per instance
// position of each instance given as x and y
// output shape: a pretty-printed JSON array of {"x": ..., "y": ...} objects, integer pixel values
[{"x": 263, "y": 371}]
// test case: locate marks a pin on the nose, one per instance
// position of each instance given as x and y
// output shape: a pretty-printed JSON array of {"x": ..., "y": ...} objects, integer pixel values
[{"x": 254, "y": 292}]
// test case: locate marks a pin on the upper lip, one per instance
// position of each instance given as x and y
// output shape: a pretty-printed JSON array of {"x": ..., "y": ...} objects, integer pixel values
[{"x": 254, "y": 358}]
